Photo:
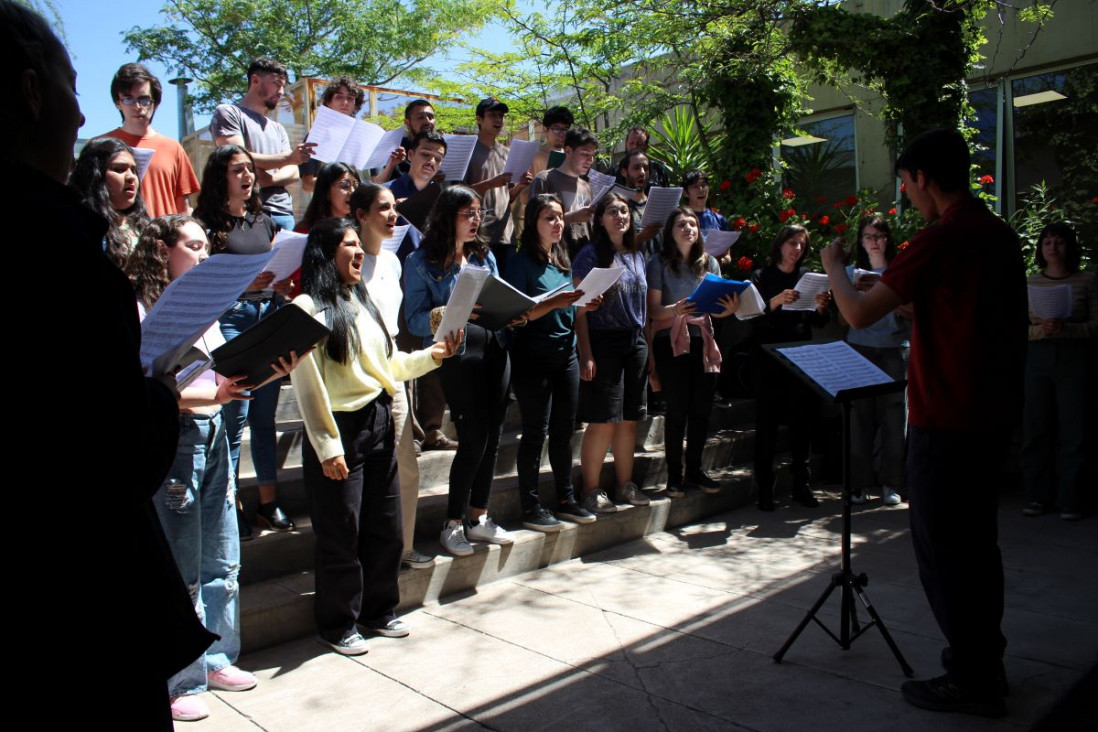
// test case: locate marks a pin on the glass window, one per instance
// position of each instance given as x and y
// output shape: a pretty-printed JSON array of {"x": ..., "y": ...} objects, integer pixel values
[
  {"x": 985, "y": 154},
  {"x": 820, "y": 165},
  {"x": 1053, "y": 126}
]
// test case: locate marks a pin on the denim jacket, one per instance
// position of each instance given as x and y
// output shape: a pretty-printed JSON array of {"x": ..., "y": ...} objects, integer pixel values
[{"x": 427, "y": 287}]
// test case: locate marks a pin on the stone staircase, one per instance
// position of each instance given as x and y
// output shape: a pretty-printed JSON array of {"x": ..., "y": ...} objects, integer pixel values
[{"x": 276, "y": 600}]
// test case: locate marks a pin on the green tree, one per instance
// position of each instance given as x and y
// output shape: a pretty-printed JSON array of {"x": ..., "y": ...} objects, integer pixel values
[{"x": 372, "y": 41}]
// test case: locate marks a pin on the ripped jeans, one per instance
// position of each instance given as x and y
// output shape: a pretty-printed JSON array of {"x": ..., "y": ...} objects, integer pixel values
[{"x": 197, "y": 508}]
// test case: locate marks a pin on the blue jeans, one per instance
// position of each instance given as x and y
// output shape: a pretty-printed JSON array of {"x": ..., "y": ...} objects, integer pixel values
[
  {"x": 260, "y": 411},
  {"x": 197, "y": 508},
  {"x": 284, "y": 220}
]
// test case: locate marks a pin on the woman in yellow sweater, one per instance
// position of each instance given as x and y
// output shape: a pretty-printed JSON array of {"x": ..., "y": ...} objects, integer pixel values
[{"x": 344, "y": 390}]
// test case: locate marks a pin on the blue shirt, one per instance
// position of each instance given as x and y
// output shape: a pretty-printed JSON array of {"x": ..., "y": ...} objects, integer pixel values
[
  {"x": 710, "y": 219},
  {"x": 623, "y": 305},
  {"x": 427, "y": 287}
]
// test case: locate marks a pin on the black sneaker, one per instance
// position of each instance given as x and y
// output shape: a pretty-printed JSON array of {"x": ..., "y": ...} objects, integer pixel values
[
  {"x": 942, "y": 695},
  {"x": 1001, "y": 685},
  {"x": 703, "y": 481},
  {"x": 805, "y": 497},
  {"x": 541, "y": 520},
  {"x": 572, "y": 511},
  {"x": 675, "y": 489}
]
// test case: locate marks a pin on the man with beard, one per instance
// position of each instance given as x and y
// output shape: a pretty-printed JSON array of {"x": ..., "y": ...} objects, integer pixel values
[{"x": 245, "y": 124}]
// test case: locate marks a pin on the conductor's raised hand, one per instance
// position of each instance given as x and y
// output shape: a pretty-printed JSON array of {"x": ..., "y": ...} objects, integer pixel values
[{"x": 832, "y": 255}]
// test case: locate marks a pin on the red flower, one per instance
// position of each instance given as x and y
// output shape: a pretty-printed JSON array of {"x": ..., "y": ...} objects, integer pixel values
[
  {"x": 851, "y": 200},
  {"x": 840, "y": 228},
  {"x": 739, "y": 223},
  {"x": 1094, "y": 200},
  {"x": 782, "y": 216},
  {"x": 725, "y": 185},
  {"x": 821, "y": 199},
  {"x": 753, "y": 227},
  {"x": 986, "y": 180},
  {"x": 753, "y": 175},
  {"x": 903, "y": 245},
  {"x": 892, "y": 211},
  {"x": 825, "y": 220},
  {"x": 837, "y": 205},
  {"x": 788, "y": 193},
  {"x": 745, "y": 264},
  {"x": 903, "y": 188}
]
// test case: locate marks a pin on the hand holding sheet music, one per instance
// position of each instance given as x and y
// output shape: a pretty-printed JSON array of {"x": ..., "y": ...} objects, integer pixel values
[
  {"x": 460, "y": 305},
  {"x": 810, "y": 285}
]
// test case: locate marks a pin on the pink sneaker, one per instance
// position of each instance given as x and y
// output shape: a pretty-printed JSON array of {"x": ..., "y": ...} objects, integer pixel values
[
  {"x": 231, "y": 678},
  {"x": 189, "y": 708}
]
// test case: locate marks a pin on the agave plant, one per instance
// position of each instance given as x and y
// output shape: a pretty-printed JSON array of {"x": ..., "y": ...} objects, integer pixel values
[{"x": 677, "y": 142}]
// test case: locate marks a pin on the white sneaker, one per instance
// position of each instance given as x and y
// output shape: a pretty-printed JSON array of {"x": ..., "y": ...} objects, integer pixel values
[
  {"x": 416, "y": 560},
  {"x": 630, "y": 493},
  {"x": 890, "y": 497},
  {"x": 858, "y": 497},
  {"x": 453, "y": 539},
  {"x": 485, "y": 529}
]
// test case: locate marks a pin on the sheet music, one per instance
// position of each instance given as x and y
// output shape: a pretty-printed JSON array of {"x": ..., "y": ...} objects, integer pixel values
[
  {"x": 460, "y": 305},
  {"x": 601, "y": 184},
  {"x": 809, "y": 286},
  {"x": 459, "y": 151},
  {"x": 392, "y": 244},
  {"x": 860, "y": 274},
  {"x": 142, "y": 156},
  {"x": 330, "y": 131},
  {"x": 598, "y": 281},
  {"x": 288, "y": 248},
  {"x": 520, "y": 158},
  {"x": 717, "y": 242},
  {"x": 193, "y": 303},
  {"x": 835, "y": 366},
  {"x": 751, "y": 304},
  {"x": 390, "y": 141},
  {"x": 661, "y": 202},
  {"x": 361, "y": 143},
  {"x": 1050, "y": 302}
]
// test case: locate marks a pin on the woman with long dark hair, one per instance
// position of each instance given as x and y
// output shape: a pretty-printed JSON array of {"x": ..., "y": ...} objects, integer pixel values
[
  {"x": 780, "y": 397},
  {"x": 613, "y": 355},
  {"x": 885, "y": 343},
  {"x": 105, "y": 178},
  {"x": 229, "y": 207},
  {"x": 197, "y": 502},
  {"x": 687, "y": 359},
  {"x": 475, "y": 383},
  {"x": 546, "y": 370},
  {"x": 332, "y": 195},
  {"x": 1057, "y": 427},
  {"x": 344, "y": 390}
]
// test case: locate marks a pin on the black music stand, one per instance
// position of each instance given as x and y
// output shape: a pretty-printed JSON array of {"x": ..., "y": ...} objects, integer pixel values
[{"x": 848, "y": 583}]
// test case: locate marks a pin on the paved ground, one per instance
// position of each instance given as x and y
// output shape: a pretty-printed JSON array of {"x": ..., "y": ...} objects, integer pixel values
[{"x": 677, "y": 632}]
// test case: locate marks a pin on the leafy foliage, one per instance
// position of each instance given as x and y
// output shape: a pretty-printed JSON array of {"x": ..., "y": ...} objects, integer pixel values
[{"x": 372, "y": 41}]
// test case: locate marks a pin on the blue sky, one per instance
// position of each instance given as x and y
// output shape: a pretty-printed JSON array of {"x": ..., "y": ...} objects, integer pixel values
[{"x": 94, "y": 37}]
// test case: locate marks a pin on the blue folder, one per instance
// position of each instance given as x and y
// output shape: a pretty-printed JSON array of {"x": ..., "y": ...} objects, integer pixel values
[{"x": 713, "y": 288}]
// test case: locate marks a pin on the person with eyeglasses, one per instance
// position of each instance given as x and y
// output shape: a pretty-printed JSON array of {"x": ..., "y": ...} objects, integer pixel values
[
  {"x": 475, "y": 381},
  {"x": 332, "y": 195},
  {"x": 169, "y": 178},
  {"x": 556, "y": 122},
  {"x": 885, "y": 343},
  {"x": 566, "y": 181}
]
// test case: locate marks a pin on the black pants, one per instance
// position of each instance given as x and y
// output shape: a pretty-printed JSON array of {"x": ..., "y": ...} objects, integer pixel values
[
  {"x": 952, "y": 480},
  {"x": 779, "y": 398},
  {"x": 688, "y": 390},
  {"x": 475, "y": 384},
  {"x": 357, "y": 523},
  {"x": 547, "y": 388}
]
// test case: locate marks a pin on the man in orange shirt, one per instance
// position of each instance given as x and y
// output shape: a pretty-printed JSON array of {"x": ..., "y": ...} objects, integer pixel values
[{"x": 170, "y": 177}]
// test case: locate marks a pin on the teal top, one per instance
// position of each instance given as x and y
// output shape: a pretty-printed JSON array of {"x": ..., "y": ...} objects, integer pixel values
[{"x": 556, "y": 330}]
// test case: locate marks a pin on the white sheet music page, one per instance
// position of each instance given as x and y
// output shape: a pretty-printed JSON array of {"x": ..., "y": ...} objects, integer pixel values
[
  {"x": 459, "y": 151},
  {"x": 809, "y": 286},
  {"x": 460, "y": 305},
  {"x": 835, "y": 366},
  {"x": 661, "y": 202},
  {"x": 520, "y": 157}
]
